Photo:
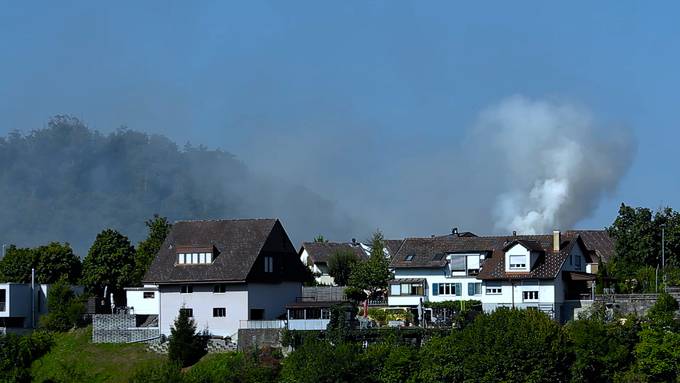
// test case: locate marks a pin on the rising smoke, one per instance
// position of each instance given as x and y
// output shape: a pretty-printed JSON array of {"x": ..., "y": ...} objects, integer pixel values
[{"x": 553, "y": 162}]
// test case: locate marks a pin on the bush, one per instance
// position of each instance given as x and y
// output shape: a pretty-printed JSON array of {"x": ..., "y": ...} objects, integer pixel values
[
  {"x": 18, "y": 352},
  {"x": 258, "y": 366},
  {"x": 65, "y": 309},
  {"x": 378, "y": 315},
  {"x": 506, "y": 345},
  {"x": 322, "y": 362}
]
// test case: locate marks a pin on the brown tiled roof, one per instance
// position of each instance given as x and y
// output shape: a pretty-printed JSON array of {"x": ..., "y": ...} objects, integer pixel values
[
  {"x": 527, "y": 243},
  {"x": 238, "y": 244},
  {"x": 431, "y": 253},
  {"x": 320, "y": 252},
  {"x": 598, "y": 241},
  {"x": 547, "y": 266}
]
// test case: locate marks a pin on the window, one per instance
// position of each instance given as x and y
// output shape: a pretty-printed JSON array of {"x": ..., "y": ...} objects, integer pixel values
[
  {"x": 446, "y": 289},
  {"x": 407, "y": 289},
  {"x": 220, "y": 288},
  {"x": 149, "y": 295},
  {"x": 395, "y": 289},
  {"x": 494, "y": 290},
  {"x": 475, "y": 288},
  {"x": 325, "y": 314},
  {"x": 409, "y": 258},
  {"x": 457, "y": 262},
  {"x": 530, "y": 295},
  {"x": 578, "y": 261},
  {"x": 3, "y": 300},
  {"x": 194, "y": 258},
  {"x": 268, "y": 264},
  {"x": 518, "y": 262},
  {"x": 219, "y": 312},
  {"x": 188, "y": 312},
  {"x": 186, "y": 289},
  {"x": 313, "y": 313}
]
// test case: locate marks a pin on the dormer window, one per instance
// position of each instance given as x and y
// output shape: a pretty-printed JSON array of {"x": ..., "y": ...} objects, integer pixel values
[
  {"x": 409, "y": 258},
  {"x": 518, "y": 262},
  {"x": 194, "y": 255}
]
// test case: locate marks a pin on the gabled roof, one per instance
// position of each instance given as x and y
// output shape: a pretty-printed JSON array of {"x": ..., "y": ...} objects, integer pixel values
[
  {"x": 547, "y": 266},
  {"x": 237, "y": 243},
  {"x": 320, "y": 252},
  {"x": 528, "y": 244},
  {"x": 429, "y": 252},
  {"x": 597, "y": 241},
  {"x": 393, "y": 246}
]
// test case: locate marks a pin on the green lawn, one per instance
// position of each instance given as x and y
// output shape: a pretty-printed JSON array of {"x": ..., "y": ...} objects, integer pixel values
[{"x": 74, "y": 358}]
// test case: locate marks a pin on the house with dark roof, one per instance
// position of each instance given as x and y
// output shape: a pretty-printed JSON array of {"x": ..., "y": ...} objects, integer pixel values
[
  {"x": 315, "y": 256},
  {"x": 545, "y": 272},
  {"x": 223, "y": 272}
]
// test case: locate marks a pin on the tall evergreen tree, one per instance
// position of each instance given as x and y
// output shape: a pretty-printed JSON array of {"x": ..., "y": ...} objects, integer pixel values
[{"x": 185, "y": 346}]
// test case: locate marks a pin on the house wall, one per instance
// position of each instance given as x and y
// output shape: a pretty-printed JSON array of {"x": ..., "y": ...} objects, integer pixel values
[
  {"x": 272, "y": 297},
  {"x": 432, "y": 275},
  {"x": 20, "y": 302},
  {"x": 143, "y": 306},
  {"x": 202, "y": 301}
]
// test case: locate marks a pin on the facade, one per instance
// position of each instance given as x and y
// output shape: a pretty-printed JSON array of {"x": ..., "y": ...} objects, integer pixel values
[
  {"x": 545, "y": 272},
  {"x": 224, "y": 272},
  {"x": 143, "y": 300}
]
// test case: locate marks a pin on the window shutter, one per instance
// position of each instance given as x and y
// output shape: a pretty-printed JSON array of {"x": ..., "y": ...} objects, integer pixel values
[
  {"x": 459, "y": 289},
  {"x": 435, "y": 289}
]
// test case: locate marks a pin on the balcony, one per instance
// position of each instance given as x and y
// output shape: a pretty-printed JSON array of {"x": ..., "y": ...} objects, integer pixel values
[
  {"x": 308, "y": 324},
  {"x": 262, "y": 324}
]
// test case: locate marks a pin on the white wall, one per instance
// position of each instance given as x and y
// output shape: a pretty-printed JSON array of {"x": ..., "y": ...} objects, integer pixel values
[
  {"x": 202, "y": 301},
  {"x": 273, "y": 298},
  {"x": 517, "y": 250},
  {"x": 546, "y": 292},
  {"x": 141, "y": 305}
]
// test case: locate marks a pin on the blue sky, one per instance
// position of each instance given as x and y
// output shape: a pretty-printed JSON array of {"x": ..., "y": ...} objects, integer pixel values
[{"x": 341, "y": 96}]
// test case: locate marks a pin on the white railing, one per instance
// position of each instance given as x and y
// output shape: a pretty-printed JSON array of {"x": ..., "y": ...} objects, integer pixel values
[
  {"x": 308, "y": 324},
  {"x": 260, "y": 324}
]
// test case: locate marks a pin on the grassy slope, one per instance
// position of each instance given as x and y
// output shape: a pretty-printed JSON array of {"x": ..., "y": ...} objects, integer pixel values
[{"x": 73, "y": 358}]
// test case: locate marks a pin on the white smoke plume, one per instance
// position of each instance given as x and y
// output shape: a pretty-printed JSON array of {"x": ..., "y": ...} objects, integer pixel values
[{"x": 554, "y": 164}]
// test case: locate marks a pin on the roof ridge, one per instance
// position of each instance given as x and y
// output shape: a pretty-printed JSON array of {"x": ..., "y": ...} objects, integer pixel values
[{"x": 226, "y": 220}]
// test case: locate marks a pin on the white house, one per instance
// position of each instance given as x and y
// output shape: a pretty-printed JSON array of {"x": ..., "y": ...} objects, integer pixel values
[
  {"x": 223, "y": 272},
  {"x": 143, "y": 300},
  {"x": 546, "y": 272},
  {"x": 22, "y": 305}
]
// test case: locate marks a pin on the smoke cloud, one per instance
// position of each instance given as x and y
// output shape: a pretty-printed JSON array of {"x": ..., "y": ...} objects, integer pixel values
[
  {"x": 67, "y": 182},
  {"x": 554, "y": 163}
]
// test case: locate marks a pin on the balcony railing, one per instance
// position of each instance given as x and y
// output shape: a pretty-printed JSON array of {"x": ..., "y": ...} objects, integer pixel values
[{"x": 262, "y": 324}]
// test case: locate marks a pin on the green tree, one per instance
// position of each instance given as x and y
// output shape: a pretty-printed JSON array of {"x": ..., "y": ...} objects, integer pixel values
[
  {"x": 16, "y": 265},
  {"x": 110, "y": 262},
  {"x": 637, "y": 235},
  {"x": 185, "y": 346},
  {"x": 57, "y": 261},
  {"x": 340, "y": 266},
  {"x": 373, "y": 274},
  {"x": 319, "y": 361},
  {"x": 159, "y": 227},
  {"x": 320, "y": 239},
  {"x": 51, "y": 262},
  {"x": 601, "y": 350}
]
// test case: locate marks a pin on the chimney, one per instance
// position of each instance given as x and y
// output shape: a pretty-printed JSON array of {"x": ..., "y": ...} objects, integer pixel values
[
  {"x": 354, "y": 241},
  {"x": 556, "y": 241},
  {"x": 514, "y": 233},
  {"x": 454, "y": 231}
]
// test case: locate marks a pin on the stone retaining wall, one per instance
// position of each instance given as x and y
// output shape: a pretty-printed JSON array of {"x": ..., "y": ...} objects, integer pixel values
[
  {"x": 249, "y": 338},
  {"x": 120, "y": 328}
]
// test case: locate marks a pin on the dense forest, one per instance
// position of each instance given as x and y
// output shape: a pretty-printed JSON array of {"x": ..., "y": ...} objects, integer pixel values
[{"x": 66, "y": 182}]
